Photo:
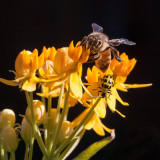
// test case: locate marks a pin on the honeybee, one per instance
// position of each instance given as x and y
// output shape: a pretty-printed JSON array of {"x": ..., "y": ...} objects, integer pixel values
[{"x": 98, "y": 43}]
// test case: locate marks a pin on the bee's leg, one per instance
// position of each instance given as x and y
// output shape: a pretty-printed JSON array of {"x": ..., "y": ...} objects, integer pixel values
[
  {"x": 93, "y": 58},
  {"x": 98, "y": 57},
  {"x": 105, "y": 49},
  {"x": 83, "y": 42},
  {"x": 115, "y": 53}
]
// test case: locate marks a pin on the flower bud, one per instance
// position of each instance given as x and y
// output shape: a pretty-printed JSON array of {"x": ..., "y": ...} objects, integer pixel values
[
  {"x": 9, "y": 139},
  {"x": 39, "y": 112},
  {"x": 26, "y": 131},
  {"x": 7, "y": 118},
  {"x": 66, "y": 130}
]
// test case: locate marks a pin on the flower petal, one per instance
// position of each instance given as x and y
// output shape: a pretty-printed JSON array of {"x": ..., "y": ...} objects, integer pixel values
[
  {"x": 120, "y": 100},
  {"x": 98, "y": 129},
  {"x": 85, "y": 55},
  {"x": 71, "y": 50},
  {"x": 77, "y": 53},
  {"x": 26, "y": 58},
  {"x": 91, "y": 91},
  {"x": 101, "y": 108},
  {"x": 34, "y": 59},
  {"x": 137, "y": 85},
  {"x": 78, "y": 119},
  {"x": 52, "y": 54},
  {"x": 122, "y": 115},
  {"x": 40, "y": 60},
  {"x": 121, "y": 87},
  {"x": 107, "y": 129},
  {"x": 75, "y": 85},
  {"x": 29, "y": 85},
  {"x": 95, "y": 74},
  {"x": 111, "y": 100},
  {"x": 89, "y": 75},
  {"x": 54, "y": 93},
  {"x": 91, "y": 123},
  {"x": 15, "y": 82}
]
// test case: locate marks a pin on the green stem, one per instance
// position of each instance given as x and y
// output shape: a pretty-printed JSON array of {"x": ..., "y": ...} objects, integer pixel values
[
  {"x": 57, "y": 115},
  {"x": 26, "y": 151},
  {"x": 34, "y": 126},
  {"x": 66, "y": 114},
  {"x": 48, "y": 124},
  {"x": 31, "y": 148},
  {"x": 43, "y": 98},
  {"x": 77, "y": 129},
  {"x": 13, "y": 156},
  {"x": 41, "y": 143},
  {"x": 45, "y": 136},
  {"x": 71, "y": 146},
  {"x": 55, "y": 140},
  {"x": 59, "y": 104}
]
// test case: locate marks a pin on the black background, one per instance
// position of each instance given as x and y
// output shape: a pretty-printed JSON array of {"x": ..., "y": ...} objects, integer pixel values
[{"x": 34, "y": 24}]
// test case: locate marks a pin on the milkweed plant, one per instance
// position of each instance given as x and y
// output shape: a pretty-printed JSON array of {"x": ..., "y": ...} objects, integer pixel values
[{"x": 57, "y": 74}]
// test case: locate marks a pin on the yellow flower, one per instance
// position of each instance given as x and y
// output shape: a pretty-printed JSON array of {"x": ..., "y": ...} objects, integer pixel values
[
  {"x": 49, "y": 53},
  {"x": 94, "y": 122},
  {"x": 47, "y": 70},
  {"x": 77, "y": 53},
  {"x": 122, "y": 69},
  {"x": 61, "y": 65},
  {"x": 94, "y": 77},
  {"x": 119, "y": 71},
  {"x": 26, "y": 65}
]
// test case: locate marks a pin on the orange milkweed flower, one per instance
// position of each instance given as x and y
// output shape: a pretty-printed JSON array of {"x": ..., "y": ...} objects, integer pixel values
[
  {"x": 26, "y": 65},
  {"x": 77, "y": 53},
  {"x": 95, "y": 122},
  {"x": 62, "y": 64},
  {"x": 119, "y": 71}
]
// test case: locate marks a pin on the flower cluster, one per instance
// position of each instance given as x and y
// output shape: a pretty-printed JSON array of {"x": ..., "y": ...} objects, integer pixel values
[{"x": 59, "y": 74}]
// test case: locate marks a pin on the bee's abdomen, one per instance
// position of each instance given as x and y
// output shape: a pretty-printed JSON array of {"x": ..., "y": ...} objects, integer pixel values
[{"x": 103, "y": 62}]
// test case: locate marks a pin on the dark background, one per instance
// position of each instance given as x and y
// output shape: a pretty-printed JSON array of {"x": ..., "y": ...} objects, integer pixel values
[{"x": 34, "y": 24}]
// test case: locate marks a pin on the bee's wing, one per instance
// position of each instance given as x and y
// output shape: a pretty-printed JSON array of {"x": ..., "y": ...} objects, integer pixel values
[
  {"x": 117, "y": 42},
  {"x": 97, "y": 28}
]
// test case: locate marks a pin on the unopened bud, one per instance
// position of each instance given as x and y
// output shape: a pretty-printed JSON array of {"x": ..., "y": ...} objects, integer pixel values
[
  {"x": 65, "y": 132},
  {"x": 7, "y": 118},
  {"x": 39, "y": 112},
  {"x": 26, "y": 131},
  {"x": 9, "y": 139}
]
